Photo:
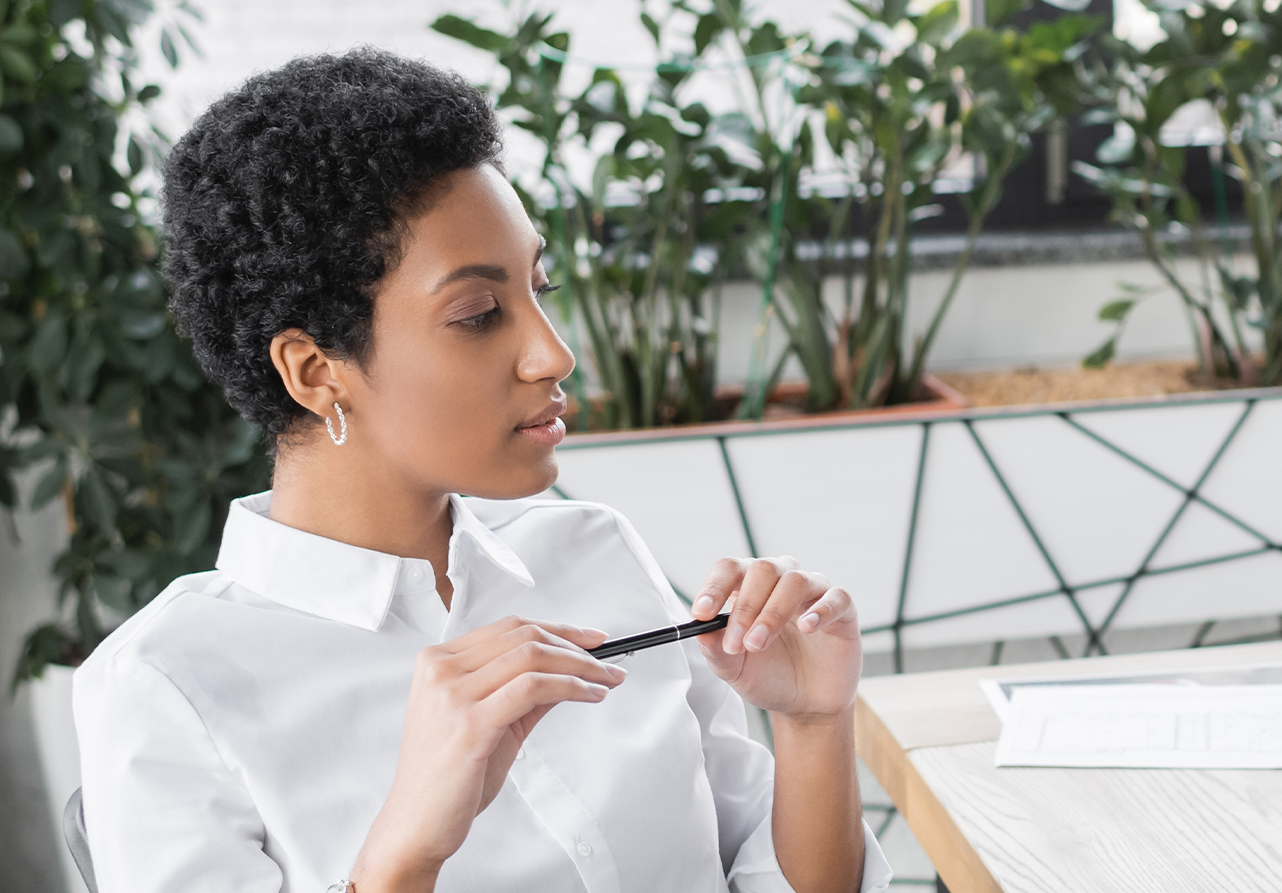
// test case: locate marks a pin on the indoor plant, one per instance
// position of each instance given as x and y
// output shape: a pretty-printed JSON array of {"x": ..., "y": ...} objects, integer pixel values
[
  {"x": 681, "y": 199},
  {"x": 1226, "y": 56},
  {"x": 100, "y": 397}
]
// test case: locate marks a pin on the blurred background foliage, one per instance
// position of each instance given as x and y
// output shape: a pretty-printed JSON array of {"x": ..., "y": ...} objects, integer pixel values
[
  {"x": 1227, "y": 57},
  {"x": 99, "y": 398},
  {"x": 682, "y": 199}
]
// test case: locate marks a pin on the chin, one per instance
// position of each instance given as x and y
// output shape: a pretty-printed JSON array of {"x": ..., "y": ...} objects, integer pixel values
[{"x": 531, "y": 481}]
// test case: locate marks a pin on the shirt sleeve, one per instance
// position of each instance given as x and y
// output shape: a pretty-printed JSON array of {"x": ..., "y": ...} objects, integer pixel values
[
  {"x": 162, "y": 810},
  {"x": 740, "y": 770}
]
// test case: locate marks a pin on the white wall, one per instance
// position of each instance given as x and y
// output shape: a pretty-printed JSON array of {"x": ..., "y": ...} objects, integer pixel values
[{"x": 29, "y": 839}]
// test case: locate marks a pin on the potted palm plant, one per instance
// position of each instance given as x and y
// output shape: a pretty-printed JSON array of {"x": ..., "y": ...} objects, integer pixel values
[{"x": 681, "y": 199}]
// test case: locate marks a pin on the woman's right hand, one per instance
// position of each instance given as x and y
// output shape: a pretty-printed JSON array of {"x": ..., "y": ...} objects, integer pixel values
[{"x": 473, "y": 701}]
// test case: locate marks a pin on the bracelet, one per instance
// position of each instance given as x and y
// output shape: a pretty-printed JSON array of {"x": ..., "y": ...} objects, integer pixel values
[{"x": 342, "y": 886}]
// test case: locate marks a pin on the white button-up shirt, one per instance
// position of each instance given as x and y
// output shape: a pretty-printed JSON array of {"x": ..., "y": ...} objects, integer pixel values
[{"x": 241, "y": 732}]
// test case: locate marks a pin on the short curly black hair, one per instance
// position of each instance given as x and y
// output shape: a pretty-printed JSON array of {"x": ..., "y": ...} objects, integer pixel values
[{"x": 285, "y": 203}]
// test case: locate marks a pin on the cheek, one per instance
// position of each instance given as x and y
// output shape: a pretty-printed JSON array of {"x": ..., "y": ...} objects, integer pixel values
[{"x": 442, "y": 400}]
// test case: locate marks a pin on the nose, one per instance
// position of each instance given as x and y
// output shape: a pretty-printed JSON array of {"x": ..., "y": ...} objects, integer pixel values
[{"x": 544, "y": 355}]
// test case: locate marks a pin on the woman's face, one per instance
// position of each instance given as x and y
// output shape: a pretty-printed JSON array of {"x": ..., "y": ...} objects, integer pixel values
[{"x": 461, "y": 392}]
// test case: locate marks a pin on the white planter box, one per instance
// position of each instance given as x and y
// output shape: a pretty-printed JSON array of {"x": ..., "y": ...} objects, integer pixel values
[
  {"x": 59, "y": 753},
  {"x": 976, "y": 526}
]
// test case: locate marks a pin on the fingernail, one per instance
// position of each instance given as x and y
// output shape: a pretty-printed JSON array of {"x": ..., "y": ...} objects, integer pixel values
[
  {"x": 733, "y": 642},
  {"x": 599, "y": 691},
  {"x": 756, "y": 638},
  {"x": 617, "y": 671},
  {"x": 810, "y": 621},
  {"x": 588, "y": 630},
  {"x": 702, "y": 604}
]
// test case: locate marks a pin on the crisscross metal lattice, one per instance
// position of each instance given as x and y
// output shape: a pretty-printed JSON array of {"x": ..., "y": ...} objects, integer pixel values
[{"x": 1063, "y": 588}]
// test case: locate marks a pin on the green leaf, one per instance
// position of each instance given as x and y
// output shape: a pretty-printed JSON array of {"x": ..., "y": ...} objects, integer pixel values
[
  {"x": 938, "y": 23},
  {"x": 133, "y": 154},
  {"x": 997, "y": 12},
  {"x": 1102, "y": 356},
  {"x": 650, "y": 25},
  {"x": 148, "y": 93},
  {"x": 1115, "y": 311},
  {"x": 192, "y": 528},
  {"x": 10, "y": 134},
  {"x": 96, "y": 501},
  {"x": 49, "y": 485},
  {"x": 63, "y": 11},
  {"x": 17, "y": 64},
  {"x": 8, "y": 492},
  {"x": 14, "y": 262},
  {"x": 21, "y": 33},
  {"x": 114, "y": 592},
  {"x": 49, "y": 346},
  {"x": 168, "y": 49},
  {"x": 704, "y": 32},
  {"x": 470, "y": 33}
]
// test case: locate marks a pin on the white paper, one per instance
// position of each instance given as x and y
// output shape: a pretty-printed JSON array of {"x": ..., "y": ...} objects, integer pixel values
[
  {"x": 1143, "y": 726},
  {"x": 998, "y": 691}
]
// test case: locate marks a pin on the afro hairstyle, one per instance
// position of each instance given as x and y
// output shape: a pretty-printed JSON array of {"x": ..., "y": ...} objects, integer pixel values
[{"x": 286, "y": 203}]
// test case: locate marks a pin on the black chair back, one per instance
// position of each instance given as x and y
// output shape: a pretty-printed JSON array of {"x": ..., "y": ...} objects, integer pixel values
[{"x": 73, "y": 829}]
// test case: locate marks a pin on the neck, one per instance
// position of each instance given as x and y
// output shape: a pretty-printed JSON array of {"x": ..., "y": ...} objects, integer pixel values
[{"x": 335, "y": 494}]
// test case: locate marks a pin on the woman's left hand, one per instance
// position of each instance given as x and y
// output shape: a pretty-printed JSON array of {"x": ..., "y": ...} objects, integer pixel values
[{"x": 792, "y": 644}]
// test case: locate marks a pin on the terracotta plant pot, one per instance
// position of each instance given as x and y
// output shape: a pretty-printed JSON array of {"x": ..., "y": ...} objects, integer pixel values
[{"x": 784, "y": 407}]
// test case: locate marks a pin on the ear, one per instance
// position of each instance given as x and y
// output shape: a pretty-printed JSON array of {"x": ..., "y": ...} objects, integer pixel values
[{"x": 314, "y": 380}]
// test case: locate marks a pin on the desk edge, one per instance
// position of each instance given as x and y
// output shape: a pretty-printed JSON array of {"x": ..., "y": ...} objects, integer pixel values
[{"x": 951, "y": 853}]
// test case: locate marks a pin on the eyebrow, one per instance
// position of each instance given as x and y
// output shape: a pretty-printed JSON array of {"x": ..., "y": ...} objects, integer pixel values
[{"x": 492, "y": 272}]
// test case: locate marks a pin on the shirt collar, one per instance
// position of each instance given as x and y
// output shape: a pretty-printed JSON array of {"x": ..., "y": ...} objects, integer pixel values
[{"x": 330, "y": 579}]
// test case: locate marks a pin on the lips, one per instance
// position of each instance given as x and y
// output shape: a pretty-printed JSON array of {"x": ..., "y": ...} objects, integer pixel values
[
  {"x": 546, "y": 417},
  {"x": 546, "y": 428}
]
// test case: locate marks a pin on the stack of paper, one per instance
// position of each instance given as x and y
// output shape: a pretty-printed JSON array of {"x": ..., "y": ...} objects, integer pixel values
[{"x": 1137, "y": 723}]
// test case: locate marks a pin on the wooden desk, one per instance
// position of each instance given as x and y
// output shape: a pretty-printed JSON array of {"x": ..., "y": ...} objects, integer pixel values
[{"x": 930, "y": 738}]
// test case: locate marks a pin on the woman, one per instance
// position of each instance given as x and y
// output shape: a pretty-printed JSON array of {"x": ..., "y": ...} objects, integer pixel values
[{"x": 351, "y": 694}]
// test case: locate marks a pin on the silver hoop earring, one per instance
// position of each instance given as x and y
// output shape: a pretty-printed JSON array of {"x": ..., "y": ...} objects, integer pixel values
[{"x": 342, "y": 421}]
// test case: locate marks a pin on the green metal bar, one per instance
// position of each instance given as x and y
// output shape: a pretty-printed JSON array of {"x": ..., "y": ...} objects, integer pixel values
[
  {"x": 1058, "y": 644},
  {"x": 1247, "y": 640},
  {"x": 1140, "y": 463},
  {"x": 997, "y": 653},
  {"x": 1092, "y": 634},
  {"x": 908, "y": 547},
  {"x": 1202, "y": 633},
  {"x": 1179, "y": 512},
  {"x": 1094, "y": 584},
  {"x": 556, "y": 488},
  {"x": 738, "y": 498},
  {"x": 895, "y": 421},
  {"x": 885, "y": 822}
]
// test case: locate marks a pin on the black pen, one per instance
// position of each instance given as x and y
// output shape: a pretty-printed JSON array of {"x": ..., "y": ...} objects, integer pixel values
[{"x": 628, "y": 644}]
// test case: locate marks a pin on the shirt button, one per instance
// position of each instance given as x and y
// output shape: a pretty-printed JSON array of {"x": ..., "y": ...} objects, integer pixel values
[
  {"x": 520, "y": 754},
  {"x": 583, "y": 848},
  {"x": 417, "y": 575}
]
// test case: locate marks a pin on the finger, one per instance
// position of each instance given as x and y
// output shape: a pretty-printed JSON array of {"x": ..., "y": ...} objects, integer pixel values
[
  {"x": 722, "y": 580},
  {"x": 835, "y": 605},
  {"x": 488, "y": 649},
  {"x": 530, "y": 691},
  {"x": 795, "y": 590},
  {"x": 754, "y": 591},
  {"x": 539, "y": 657},
  {"x": 512, "y": 632}
]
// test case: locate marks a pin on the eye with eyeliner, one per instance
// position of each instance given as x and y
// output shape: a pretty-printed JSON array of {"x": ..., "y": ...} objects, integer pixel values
[{"x": 482, "y": 321}]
